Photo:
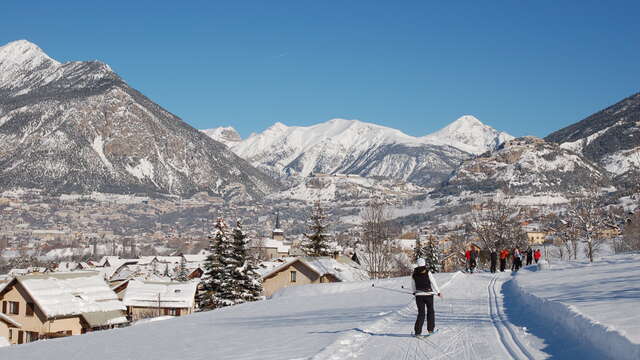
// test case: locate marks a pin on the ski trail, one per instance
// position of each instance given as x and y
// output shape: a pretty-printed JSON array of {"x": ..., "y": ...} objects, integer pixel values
[
  {"x": 510, "y": 341},
  {"x": 350, "y": 346},
  {"x": 471, "y": 322}
]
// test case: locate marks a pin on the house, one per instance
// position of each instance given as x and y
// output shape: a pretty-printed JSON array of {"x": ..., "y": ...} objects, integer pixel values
[
  {"x": 59, "y": 304},
  {"x": 536, "y": 237},
  {"x": 7, "y": 324},
  {"x": 146, "y": 299},
  {"x": 310, "y": 270}
]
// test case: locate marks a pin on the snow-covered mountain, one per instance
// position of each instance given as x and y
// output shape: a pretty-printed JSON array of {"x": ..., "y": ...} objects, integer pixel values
[
  {"x": 469, "y": 134},
  {"x": 78, "y": 126},
  {"x": 226, "y": 135},
  {"x": 525, "y": 166},
  {"x": 341, "y": 146},
  {"x": 610, "y": 137}
]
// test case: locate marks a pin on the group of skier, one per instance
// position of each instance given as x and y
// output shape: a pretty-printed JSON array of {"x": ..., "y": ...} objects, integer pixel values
[{"x": 517, "y": 257}]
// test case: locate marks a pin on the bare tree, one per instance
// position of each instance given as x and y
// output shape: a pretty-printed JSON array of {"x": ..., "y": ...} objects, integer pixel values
[
  {"x": 377, "y": 240},
  {"x": 630, "y": 240},
  {"x": 566, "y": 234},
  {"x": 496, "y": 225},
  {"x": 590, "y": 217}
]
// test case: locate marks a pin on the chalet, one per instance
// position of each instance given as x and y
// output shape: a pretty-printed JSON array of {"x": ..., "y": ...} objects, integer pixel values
[
  {"x": 59, "y": 304},
  {"x": 310, "y": 270},
  {"x": 146, "y": 299},
  {"x": 7, "y": 325}
]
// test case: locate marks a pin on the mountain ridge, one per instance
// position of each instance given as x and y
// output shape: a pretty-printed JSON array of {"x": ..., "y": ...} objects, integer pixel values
[
  {"x": 362, "y": 148},
  {"x": 78, "y": 127}
]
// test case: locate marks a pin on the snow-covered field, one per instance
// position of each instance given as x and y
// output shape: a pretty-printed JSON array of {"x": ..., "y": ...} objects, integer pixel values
[{"x": 571, "y": 311}]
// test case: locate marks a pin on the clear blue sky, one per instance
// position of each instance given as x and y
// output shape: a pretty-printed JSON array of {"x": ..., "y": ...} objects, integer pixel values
[{"x": 523, "y": 67}]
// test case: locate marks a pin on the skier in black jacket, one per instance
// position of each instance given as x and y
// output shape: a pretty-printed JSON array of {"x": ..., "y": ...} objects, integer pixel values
[
  {"x": 529, "y": 256},
  {"x": 494, "y": 260},
  {"x": 424, "y": 287}
]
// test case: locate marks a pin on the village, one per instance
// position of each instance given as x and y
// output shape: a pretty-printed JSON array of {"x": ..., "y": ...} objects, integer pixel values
[{"x": 93, "y": 292}]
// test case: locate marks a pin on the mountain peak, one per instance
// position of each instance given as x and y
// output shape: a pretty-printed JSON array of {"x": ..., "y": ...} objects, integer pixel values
[
  {"x": 23, "y": 52},
  {"x": 465, "y": 122},
  {"x": 469, "y": 134}
]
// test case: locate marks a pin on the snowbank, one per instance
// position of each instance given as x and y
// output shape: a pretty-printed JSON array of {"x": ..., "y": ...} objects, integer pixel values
[{"x": 596, "y": 303}]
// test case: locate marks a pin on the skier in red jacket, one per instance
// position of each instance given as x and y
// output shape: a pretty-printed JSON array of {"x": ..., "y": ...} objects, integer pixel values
[
  {"x": 467, "y": 255},
  {"x": 537, "y": 255}
]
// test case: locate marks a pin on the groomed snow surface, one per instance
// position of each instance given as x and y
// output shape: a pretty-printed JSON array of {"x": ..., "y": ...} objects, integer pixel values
[{"x": 570, "y": 311}]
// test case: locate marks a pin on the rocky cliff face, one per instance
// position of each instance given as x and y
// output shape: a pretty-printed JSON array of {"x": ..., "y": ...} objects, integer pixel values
[
  {"x": 610, "y": 137},
  {"x": 78, "y": 127},
  {"x": 525, "y": 166}
]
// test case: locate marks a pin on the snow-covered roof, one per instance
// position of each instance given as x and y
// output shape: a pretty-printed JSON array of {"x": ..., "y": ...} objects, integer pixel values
[
  {"x": 166, "y": 294},
  {"x": 73, "y": 293},
  {"x": 271, "y": 243},
  {"x": 169, "y": 259},
  {"x": 29, "y": 270},
  {"x": 66, "y": 266},
  {"x": 343, "y": 270},
  {"x": 110, "y": 259},
  {"x": 195, "y": 258},
  {"x": 9, "y": 320}
]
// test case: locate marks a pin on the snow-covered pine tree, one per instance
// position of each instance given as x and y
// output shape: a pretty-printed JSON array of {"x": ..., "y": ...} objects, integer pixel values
[
  {"x": 182, "y": 273},
  {"x": 247, "y": 279},
  {"x": 213, "y": 280},
  {"x": 317, "y": 242},
  {"x": 228, "y": 290},
  {"x": 431, "y": 254}
]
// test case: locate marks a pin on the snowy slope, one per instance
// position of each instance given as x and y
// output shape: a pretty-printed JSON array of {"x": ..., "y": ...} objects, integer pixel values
[
  {"x": 610, "y": 137},
  {"x": 226, "y": 135},
  {"x": 469, "y": 134},
  {"x": 526, "y": 166},
  {"x": 360, "y": 148},
  {"x": 78, "y": 127}
]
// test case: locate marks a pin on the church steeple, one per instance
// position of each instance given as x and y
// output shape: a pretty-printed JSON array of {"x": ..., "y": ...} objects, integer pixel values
[{"x": 277, "y": 233}]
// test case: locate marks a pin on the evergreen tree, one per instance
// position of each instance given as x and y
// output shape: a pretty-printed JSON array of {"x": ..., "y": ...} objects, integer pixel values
[
  {"x": 431, "y": 254},
  {"x": 317, "y": 241},
  {"x": 227, "y": 292},
  {"x": 231, "y": 278},
  {"x": 247, "y": 279},
  {"x": 183, "y": 274},
  {"x": 214, "y": 268}
]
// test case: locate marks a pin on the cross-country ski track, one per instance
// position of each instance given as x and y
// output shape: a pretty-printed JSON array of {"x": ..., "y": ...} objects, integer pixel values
[{"x": 471, "y": 327}]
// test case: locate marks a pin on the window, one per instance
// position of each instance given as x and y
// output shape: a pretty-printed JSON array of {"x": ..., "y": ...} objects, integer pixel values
[
  {"x": 293, "y": 276},
  {"x": 30, "y": 336},
  {"x": 14, "y": 307},
  {"x": 30, "y": 307},
  {"x": 172, "y": 312}
]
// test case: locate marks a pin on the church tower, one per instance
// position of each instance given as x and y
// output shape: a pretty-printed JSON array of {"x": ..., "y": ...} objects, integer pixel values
[{"x": 277, "y": 233}]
